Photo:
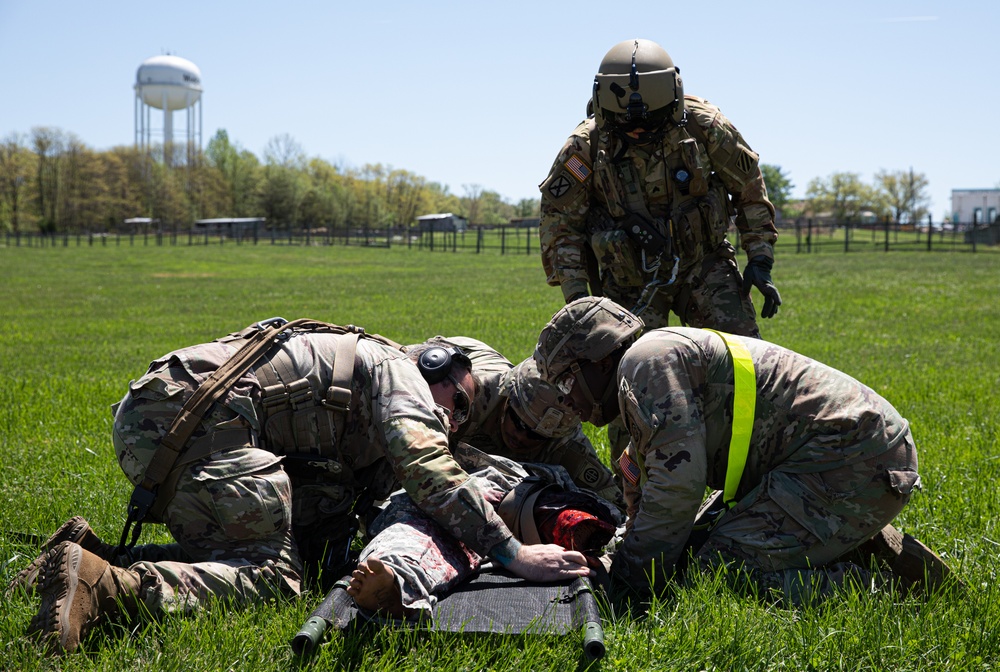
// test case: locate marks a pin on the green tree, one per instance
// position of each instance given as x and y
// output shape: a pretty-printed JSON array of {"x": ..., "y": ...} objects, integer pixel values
[
  {"x": 327, "y": 200},
  {"x": 241, "y": 171},
  {"x": 285, "y": 182},
  {"x": 842, "y": 196},
  {"x": 48, "y": 145},
  {"x": 905, "y": 194},
  {"x": 16, "y": 168},
  {"x": 527, "y": 207},
  {"x": 779, "y": 186}
]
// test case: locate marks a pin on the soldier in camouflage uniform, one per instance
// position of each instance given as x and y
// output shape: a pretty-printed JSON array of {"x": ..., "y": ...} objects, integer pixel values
[
  {"x": 646, "y": 189},
  {"x": 518, "y": 415},
  {"x": 830, "y": 462},
  {"x": 413, "y": 564},
  {"x": 273, "y": 469}
]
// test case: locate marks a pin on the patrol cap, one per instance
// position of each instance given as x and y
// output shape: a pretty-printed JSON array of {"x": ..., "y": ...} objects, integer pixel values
[
  {"x": 540, "y": 405},
  {"x": 587, "y": 329}
]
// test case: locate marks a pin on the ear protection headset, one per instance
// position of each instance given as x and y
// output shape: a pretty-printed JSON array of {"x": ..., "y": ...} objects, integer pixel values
[{"x": 435, "y": 363}]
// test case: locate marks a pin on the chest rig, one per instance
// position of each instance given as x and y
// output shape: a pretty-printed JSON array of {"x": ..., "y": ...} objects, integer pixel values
[
  {"x": 303, "y": 418},
  {"x": 677, "y": 191}
]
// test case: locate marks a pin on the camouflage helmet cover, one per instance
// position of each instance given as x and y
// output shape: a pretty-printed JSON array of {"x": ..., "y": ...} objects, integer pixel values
[
  {"x": 587, "y": 329},
  {"x": 540, "y": 405}
]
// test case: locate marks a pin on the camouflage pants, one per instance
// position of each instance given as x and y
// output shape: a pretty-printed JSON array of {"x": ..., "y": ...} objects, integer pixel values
[
  {"x": 231, "y": 515},
  {"x": 784, "y": 537},
  {"x": 426, "y": 560},
  {"x": 707, "y": 293}
]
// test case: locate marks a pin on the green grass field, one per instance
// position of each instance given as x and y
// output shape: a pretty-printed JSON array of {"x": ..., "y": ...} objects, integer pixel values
[{"x": 79, "y": 323}]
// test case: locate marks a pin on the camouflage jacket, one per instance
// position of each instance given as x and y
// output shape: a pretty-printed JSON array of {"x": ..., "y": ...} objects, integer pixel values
[
  {"x": 676, "y": 399},
  {"x": 584, "y": 197},
  {"x": 394, "y": 434},
  {"x": 574, "y": 452}
]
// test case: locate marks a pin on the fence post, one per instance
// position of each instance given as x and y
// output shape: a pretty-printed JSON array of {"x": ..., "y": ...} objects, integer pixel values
[
  {"x": 887, "y": 233},
  {"x": 975, "y": 222},
  {"x": 930, "y": 231},
  {"x": 847, "y": 235},
  {"x": 479, "y": 240},
  {"x": 503, "y": 239},
  {"x": 809, "y": 236}
]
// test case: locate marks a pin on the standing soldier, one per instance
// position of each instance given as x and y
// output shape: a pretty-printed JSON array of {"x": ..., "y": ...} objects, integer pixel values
[
  {"x": 638, "y": 202},
  {"x": 294, "y": 438},
  {"x": 812, "y": 463},
  {"x": 519, "y": 416}
]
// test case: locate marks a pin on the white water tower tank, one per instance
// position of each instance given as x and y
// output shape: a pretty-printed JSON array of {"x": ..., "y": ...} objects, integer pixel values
[{"x": 167, "y": 83}]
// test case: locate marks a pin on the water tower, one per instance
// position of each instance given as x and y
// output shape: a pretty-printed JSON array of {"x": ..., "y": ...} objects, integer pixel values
[{"x": 167, "y": 83}]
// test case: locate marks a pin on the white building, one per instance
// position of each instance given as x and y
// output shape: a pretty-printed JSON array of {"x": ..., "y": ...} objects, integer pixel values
[{"x": 979, "y": 205}]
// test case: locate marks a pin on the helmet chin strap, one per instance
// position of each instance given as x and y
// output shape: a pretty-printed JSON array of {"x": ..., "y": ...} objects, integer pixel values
[{"x": 597, "y": 412}]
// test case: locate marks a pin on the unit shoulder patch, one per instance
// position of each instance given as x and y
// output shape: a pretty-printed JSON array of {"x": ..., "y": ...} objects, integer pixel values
[
  {"x": 559, "y": 185},
  {"x": 745, "y": 161}
]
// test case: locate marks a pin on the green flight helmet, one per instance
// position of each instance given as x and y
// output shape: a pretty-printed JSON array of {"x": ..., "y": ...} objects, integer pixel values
[
  {"x": 637, "y": 85},
  {"x": 539, "y": 405},
  {"x": 588, "y": 329}
]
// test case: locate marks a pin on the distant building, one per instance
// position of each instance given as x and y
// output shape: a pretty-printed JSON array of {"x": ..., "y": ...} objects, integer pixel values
[
  {"x": 979, "y": 205},
  {"x": 525, "y": 222},
  {"x": 442, "y": 222},
  {"x": 231, "y": 227}
]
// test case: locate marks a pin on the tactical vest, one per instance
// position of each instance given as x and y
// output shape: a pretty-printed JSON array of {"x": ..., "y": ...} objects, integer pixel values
[
  {"x": 296, "y": 419},
  {"x": 300, "y": 421},
  {"x": 693, "y": 216}
]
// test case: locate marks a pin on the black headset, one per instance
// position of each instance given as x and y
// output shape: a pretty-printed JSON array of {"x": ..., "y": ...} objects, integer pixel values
[{"x": 435, "y": 363}]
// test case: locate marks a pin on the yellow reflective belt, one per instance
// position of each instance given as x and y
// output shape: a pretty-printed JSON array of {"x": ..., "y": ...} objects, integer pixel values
[{"x": 744, "y": 404}]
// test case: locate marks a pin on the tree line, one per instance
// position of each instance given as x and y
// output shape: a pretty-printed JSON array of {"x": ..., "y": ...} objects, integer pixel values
[
  {"x": 51, "y": 182},
  {"x": 899, "y": 195}
]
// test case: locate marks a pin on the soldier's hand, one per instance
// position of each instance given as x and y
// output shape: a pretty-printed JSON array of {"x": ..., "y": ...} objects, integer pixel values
[
  {"x": 548, "y": 562},
  {"x": 758, "y": 274}
]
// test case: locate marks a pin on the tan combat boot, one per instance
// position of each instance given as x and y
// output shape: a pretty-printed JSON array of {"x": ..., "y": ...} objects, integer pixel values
[
  {"x": 77, "y": 530},
  {"x": 80, "y": 591},
  {"x": 915, "y": 565}
]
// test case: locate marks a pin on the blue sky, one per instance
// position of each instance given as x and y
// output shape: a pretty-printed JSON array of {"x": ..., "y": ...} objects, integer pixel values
[{"x": 468, "y": 93}]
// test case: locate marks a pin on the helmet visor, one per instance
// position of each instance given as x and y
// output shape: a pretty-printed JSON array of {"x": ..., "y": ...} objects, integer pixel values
[{"x": 656, "y": 91}]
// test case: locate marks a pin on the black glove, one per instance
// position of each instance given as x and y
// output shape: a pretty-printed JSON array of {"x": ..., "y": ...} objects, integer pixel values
[{"x": 758, "y": 274}]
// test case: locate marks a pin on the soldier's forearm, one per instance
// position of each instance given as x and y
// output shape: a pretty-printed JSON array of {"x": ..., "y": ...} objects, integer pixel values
[{"x": 505, "y": 551}]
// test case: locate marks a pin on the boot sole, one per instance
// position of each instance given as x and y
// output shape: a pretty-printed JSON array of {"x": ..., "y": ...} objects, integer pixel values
[{"x": 58, "y": 584}]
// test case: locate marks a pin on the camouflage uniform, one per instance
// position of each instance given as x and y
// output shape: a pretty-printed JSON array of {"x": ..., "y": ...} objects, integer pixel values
[
  {"x": 428, "y": 563},
  {"x": 585, "y": 201},
  {"x": 830, "y": 461},
  {"x": 276, "y": 471},
  {"x": 573, "y": 451}
]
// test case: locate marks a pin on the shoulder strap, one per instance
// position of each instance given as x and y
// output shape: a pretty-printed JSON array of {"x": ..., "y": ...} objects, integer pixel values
[{"x": 744, "y": 405}]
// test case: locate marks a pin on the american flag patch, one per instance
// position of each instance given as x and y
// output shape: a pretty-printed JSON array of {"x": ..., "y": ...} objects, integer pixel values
[
  {"x": 630, "y": 470},
  {"x": 578, "y": 168}
]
